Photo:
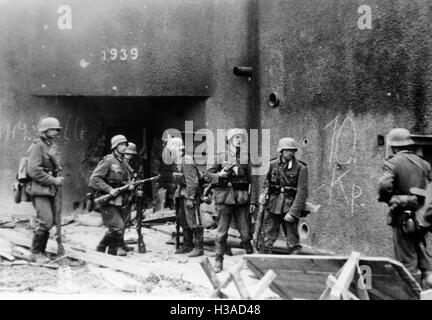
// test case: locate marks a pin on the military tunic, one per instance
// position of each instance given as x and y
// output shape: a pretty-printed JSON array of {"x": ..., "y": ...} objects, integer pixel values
[
  {"x": 288, "y": 190},
  {"x": 113, "y": 171},
  {"x": 402, "y": 172},
  {"x": 231, "y": 196},
  {"x": 42, "y": 166},
  {"x": 188, "y": 188}
]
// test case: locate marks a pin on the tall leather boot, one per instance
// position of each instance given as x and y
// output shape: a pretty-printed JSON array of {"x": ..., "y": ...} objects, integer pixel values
[
  {"x": 37, "y": 247},
  {"x": 44, "y": 241},
  {"x": 187, "y": 245},
  {"x": 103, "y": 244},
  {"x": 218, "y": 263},
  {"x": 198, "y": 240},
  {"x": 248, "y": 247},
  {"x": 220, "y": 250},
  {"x": 114, "y": 244}
]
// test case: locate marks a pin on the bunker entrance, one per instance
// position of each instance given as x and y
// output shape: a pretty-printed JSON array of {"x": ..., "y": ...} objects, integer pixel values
[{"x": 143, "y": 121}]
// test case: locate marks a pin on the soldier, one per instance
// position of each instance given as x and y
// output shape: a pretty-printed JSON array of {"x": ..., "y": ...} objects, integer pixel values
[
  {"x": 287, "y": 180},
  {"x": 232, "y": 180},
  {"x": 112, "y": 172},
  {"x": 42, "y": 167},
  {"x": 187, "y": 198},
  {"x": 130, "y": 157},
  {"x": 402, "y": 171}
]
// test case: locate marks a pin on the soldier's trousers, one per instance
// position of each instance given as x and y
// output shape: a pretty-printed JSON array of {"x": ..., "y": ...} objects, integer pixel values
[
  {"x": 113, "y": 219},
  {"x": 226, "y": 212},
  {"x": 411, "y": 252},
  {"x": 272, "y": 224},
  {"x": 191, "y": 230},
  {"x": 44, "y": 213},
  {"x": 44, "y": 222}
]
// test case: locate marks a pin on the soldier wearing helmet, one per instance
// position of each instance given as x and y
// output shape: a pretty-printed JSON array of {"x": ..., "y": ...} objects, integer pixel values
[
  {"x": 187, "y": 198},
  {"x": 402, "y": 171},
  {"x": 112, "y": 172},
  {"x": 287, "y": 181},
  {"x": 231, "y": 175},
  {"x": 42, "y": 167},
  {"x": 130, "y": 156}
]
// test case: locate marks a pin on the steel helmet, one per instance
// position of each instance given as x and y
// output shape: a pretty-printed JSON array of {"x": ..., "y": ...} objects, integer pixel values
[
  {"x": 399, "y": 137},
  {"x": 287, "y": 143},
  {"x": 49, "y": 123},
  {"x": 131, "y": 148},
  {"x": 235, "y": 131},
  {"x": 116, "y": 140}
]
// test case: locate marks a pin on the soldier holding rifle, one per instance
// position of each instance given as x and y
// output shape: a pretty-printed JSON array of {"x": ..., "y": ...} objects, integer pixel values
[
  {"x": 112, "y": 172},
  {"x": 42, "y": 167},
  {"x": 232, "y": 179}
]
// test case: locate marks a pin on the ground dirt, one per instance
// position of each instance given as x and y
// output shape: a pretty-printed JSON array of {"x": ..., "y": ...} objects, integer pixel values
[{"x": 176, "y": 276}]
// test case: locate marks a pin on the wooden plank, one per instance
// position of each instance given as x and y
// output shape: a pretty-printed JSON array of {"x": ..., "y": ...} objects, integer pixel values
[
  {"x": 21, "y": 253},
  {"x": 263, "y": 284},
  {"x": 380, "y": 295},
  {"x": 5, "y": 254},
  {"x": 117, "y": 279},
  {"x": 388, "y": 276},
  {"x": 210, "y": 273},
  {"x": 360, "y": 285},
  {"x": 115, "y": 262},
  {"x": 344, "y": 280},
  {"x": 236, "y": 269},
  {"x": 331, "y": 282},
  {"x": 426, "y": 295},
  {"x": 283, "y": 292},
  {"x": 238, "y": 281},
  {"x": 304, "y": 263}
]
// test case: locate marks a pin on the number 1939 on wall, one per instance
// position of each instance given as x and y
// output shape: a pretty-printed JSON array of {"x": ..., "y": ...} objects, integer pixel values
[{"x": 122, "y": 54}]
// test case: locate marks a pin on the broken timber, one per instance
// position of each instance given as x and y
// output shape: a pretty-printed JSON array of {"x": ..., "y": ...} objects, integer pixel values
[
  {"x": 114, "y": 262},
  {"x": 336, "y": 277},
  {"x": 117, "y": 279},
  {"x": 235, "y": 276}
]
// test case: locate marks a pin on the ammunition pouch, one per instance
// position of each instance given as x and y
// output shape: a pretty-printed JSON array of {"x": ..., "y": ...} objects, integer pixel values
[{"x": 409, "y": 223}]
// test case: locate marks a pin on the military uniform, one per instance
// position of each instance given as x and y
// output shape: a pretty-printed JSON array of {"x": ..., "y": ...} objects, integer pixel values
[
  {"x": 112, "y": 172},
  {"x": 188, "y": 188},
  {"x": 402, "y": 172},
  {"x": 42, "y": 166},
  {"x": 288, "y": 190},
  {"x": 231, "y": 198}
]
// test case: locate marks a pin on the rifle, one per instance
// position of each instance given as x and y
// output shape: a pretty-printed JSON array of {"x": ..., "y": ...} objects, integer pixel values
[
  {"x": 258, "y": 236},
  {"x": 57, "y": 212},
  {"x": 106, "y": 197},
  {"x": 206, "y": 193},
  {"x": 177, "y": 212},
  {"x": 139, "y": 209},
  {"x": 197, "y": 212}
]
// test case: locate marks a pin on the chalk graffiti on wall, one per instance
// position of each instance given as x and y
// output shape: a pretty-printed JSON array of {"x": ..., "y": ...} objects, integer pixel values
[
  {"x": 74, "y": 129},
  {"x": 342, "y": 160}
]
